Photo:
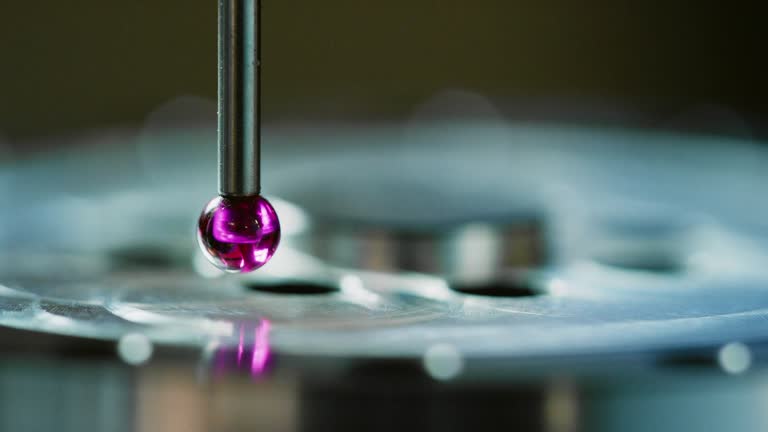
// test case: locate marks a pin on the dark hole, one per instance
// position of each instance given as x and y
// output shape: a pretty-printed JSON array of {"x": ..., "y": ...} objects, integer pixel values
[
  {"x": 292, "y": 287},
  {"x": 504, "y": 288},
  {"x": 688, "y": 360}
]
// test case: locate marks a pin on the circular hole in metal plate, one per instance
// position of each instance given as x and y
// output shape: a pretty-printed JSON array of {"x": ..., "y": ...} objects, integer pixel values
[
  {"x": 293, "y": 287},
  {"x": 517, "y": 286}
]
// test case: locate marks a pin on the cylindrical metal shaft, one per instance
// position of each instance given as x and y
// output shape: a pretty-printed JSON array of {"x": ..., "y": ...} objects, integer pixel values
[{"x": 239, "y": 97}]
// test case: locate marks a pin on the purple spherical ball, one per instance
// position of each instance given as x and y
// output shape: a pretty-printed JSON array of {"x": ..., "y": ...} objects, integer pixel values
[{"x": 238, "y": 234}]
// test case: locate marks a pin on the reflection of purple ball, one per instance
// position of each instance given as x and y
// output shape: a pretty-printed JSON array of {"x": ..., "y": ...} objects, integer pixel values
[
  {"x": 238, "y": 234},
  {"x": 249, "y": 352}
]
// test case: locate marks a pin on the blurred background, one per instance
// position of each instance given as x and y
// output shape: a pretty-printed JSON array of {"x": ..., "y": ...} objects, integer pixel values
[
  {"x": 535, "y": 216},
  {"x": 78, "y": 65}
]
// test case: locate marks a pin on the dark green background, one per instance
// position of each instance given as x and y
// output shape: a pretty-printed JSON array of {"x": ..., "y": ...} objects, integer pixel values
[{"x": 68, "y": 65}]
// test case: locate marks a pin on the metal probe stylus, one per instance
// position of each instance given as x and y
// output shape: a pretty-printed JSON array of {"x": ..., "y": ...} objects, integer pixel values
[
  {"x": 238, "y": 231},
  {"x": 239, "y": 97}
]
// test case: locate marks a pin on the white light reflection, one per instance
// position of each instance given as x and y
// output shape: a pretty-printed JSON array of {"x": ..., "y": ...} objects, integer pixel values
[
  {"x": 260, "y": 255},
  {"x": 353, "y": 288},
  {"x": 443, "y": 362},
  {"x": 557, "y": 287},
  {"x": 735, "y": 358},
  {"x": 134, "y": 348},
  {"x": 475, "y": 259}
]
